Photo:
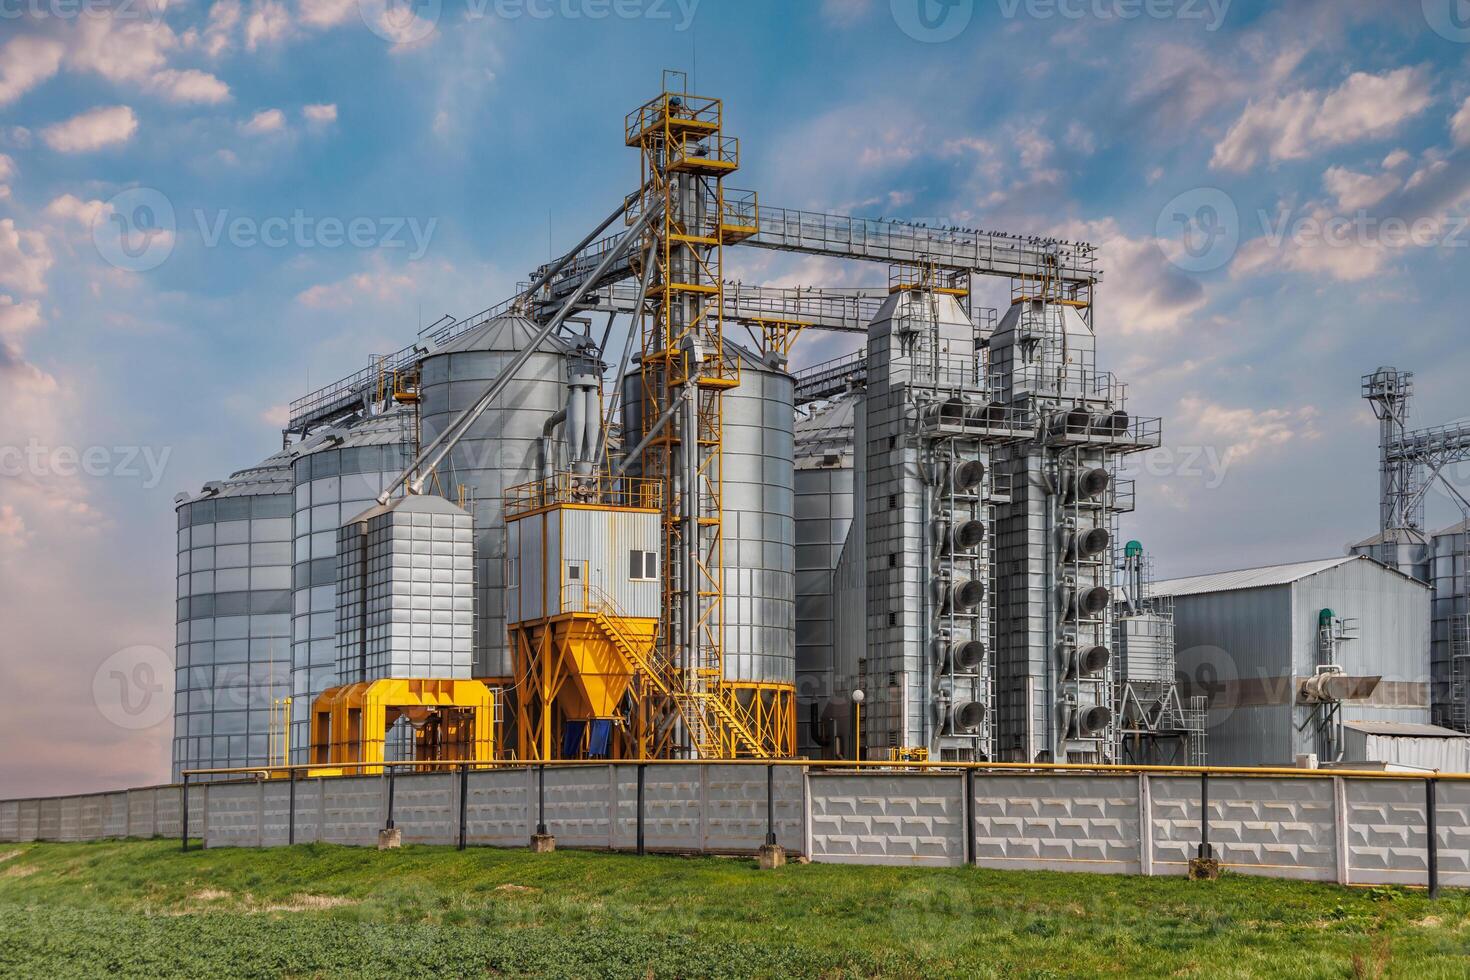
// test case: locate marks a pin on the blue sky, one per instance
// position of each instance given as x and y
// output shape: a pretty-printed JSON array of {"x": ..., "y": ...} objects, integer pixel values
[{"x": 497, "y": 135}]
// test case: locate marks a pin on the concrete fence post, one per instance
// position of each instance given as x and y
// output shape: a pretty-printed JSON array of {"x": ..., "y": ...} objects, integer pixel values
[
  {"x": 1145, "y": 825},
  {"x": 1340, "y": 830}
]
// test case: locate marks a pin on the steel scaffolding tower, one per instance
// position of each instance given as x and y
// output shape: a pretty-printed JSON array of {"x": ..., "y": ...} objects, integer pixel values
[{"x": 685, "y": 370}]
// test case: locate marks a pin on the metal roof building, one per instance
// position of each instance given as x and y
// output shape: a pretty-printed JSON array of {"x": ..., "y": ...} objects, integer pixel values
[{"x": 1251, "y": 640}]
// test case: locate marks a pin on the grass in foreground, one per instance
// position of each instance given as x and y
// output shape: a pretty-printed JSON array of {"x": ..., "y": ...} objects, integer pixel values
[{"x": 142, "y": 908}]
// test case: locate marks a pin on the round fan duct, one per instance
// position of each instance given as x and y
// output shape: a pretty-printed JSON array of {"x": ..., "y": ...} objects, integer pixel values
[
  {"x": 1090, "y": 484},
  {"x": 1087, "y": 544},
  {"x": 1093, "y": 660},
  {"x": 1090, "y": 719},
  {"x": 960, "y": 596},
  {"x": 969, "y": 475},
  {"x": 966, "y": 716}
]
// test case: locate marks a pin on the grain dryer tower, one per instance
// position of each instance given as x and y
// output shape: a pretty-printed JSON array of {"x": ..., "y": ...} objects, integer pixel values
[{"x": 1056, "y": 534}]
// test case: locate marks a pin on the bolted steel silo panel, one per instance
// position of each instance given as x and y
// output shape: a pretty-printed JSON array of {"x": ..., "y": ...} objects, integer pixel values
[
  {"x": 338, "y": 473},
  {"x": 233, "y": 621},
  {"x": 500, "y": 451}
]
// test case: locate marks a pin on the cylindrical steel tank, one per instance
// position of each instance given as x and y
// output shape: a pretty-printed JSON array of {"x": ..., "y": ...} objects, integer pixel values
[
  {"x": 500, "y": 451},
  {"x": 233, "y": 640},
  {"x": 339, "y": 473},
  {"x": 823, "y": 515},
  {"x": 759, "y": 518}
]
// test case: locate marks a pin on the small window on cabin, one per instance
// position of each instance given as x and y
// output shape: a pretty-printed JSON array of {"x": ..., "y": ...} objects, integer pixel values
[
  {"x": 512, "y": 573},
  {"x": 642, "y": 566},
  {"x": 574, "y": 572}
]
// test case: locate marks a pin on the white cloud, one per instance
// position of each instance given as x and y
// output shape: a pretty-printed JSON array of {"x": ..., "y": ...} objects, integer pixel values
[
  {"x": 1081, "y": 139},
  {"x": 17, "y": 319},
  {"x": 370, "y": 286},
  {"x": 119, "y": 50},
  {"x": 269, "y": 23},
  {"x": 8, "y": 172},
  {"x": 1034, "y": 147},
  {"x": 1460, "y": 125},
  {"x": 1355, "y": 191},
  {"x": 190, "y": 85},
  {"x": 68, "y": 207},
  {"x": 1293, "y": 126},
  {"x": 25, "y": 258},
  {"x": 1146, "y": 294},
  {"x": 92, "y": 130},
  {"x": 265, "y": 121},
  {"x": 26, "y": 62},
  {"x": 320, "y": 115},
  {"x": 224, "y": 18},
  {"x": 1396, "y": 159},
  {"x": 276, "y": 416},
  {"x": 327, "y": 13},
  {"x": 1245, "y": 432},
  {"x": 845, "y": 13}
]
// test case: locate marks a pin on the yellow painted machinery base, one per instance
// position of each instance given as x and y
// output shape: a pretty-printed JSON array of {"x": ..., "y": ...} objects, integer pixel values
[{"x": 451, "y": 720}]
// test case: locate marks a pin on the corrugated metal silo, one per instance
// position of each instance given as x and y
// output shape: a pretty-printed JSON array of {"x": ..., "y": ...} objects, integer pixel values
[
  {"x": 500, "y": 450},
  {"x": 233, "y": 653},
  {"x": 759, "y": 517},
  {"x": 338, "y": 474},
  {"x": 824, "y": 514}
]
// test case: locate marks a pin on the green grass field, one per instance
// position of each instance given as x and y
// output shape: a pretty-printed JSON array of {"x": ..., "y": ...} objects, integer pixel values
[{"x": 142, "y": 908}]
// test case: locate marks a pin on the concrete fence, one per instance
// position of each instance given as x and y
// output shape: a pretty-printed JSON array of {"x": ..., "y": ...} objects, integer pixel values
[{"x": 1351, "y": 830}]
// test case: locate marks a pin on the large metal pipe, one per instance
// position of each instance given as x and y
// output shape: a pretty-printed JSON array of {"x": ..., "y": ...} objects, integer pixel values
[
  {"x": 1079, "y": 544},
  {"x": 1090, "y": 719},
  {"x": 961, "y": 595},
  {"x": 966, "y": 716},
  {"x": 432, "y": 455},
  {"x": 458, "y": 427}
]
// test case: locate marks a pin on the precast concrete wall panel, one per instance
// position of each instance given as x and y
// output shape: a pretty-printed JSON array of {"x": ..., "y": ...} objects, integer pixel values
[
  {"x": 49, "y": 827},
  {"x": 893, "y": 818},
  {"x": 673, "y": 807},
  {"x": 1387, "y": 835},
  {"x": 577, "y": 811},
  {"x": 499, "y": 809},
  {"x": 735, "y": 808},
  {"x": 168, "y": 808},
  {"x": 71, "y": 818},
  {"x": 10, "y": 820},
  {"x": 425, "y": 807},
  {"x": 91, "y": 815},
  {"x": 141, "y": 814},
  {"x": 1452, "y": 814},
  {"x": 1081, "y": 823},
  {"x": 115, "y": 818},
  {"x": 352, "y": 810},
  {"x": 234, "y": 815},
  {"x": 1282, "y": 828}
]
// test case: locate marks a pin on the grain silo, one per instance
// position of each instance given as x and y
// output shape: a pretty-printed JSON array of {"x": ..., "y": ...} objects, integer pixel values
[
  {"x": 824, "y": 509},
  {"x": 502, "y": 449},
  {"x": 233, "y": 642},
  {"x": 339, "y": 473}
]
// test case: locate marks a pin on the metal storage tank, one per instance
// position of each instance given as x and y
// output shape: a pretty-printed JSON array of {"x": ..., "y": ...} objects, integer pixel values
[
  {"x": 759, "y": 517},
  {"x": 338, "y": 474},
  {"x": 1450, "y": 627},
  {"x": 233, "y": 640},
  {"x": 824, "y": 513},
  {"x": 405, "y": 586},
  {"x": 500, "y": 450}
]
